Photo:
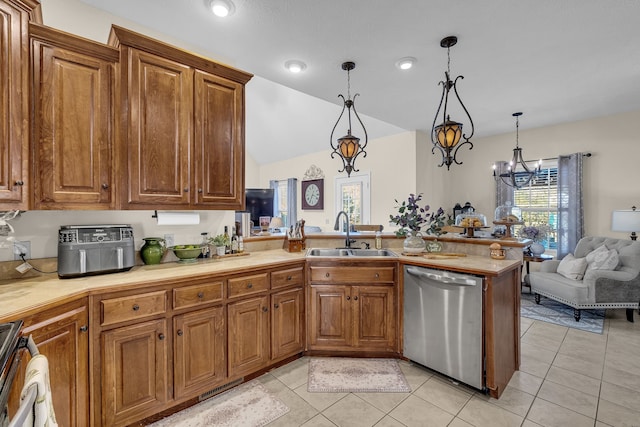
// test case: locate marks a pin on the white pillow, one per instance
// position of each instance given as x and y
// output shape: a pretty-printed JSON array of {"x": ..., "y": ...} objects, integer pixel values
[
  {"x": 602, "y": 259},
  {"x": 572, "y": 267}
]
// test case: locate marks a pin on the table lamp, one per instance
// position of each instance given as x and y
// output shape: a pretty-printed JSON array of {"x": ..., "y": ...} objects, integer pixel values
[
  {"x": 275, "y": 224},
  {"x": 626, "y": 220}
]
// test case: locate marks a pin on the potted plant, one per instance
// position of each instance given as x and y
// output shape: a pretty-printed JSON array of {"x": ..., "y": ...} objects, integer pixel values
[
  {"x": 220, "y": 242},
  {"x": 411, "y": 217}
]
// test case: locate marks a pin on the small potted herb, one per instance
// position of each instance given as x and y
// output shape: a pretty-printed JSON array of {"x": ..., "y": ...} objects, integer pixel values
[{"x": 221, "y": 241}]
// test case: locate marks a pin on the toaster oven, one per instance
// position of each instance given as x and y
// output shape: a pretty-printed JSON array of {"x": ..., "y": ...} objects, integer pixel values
[{"x": 94, "y": 249}]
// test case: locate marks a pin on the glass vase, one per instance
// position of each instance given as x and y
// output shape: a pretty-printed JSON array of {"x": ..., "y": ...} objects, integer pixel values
[
  {"x": 536, "y": 248},
  {"x": 153, "y": 250},
  {"x": 414, "y": 244}
]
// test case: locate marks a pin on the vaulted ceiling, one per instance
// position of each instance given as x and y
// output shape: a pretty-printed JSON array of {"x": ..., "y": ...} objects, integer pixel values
[{"x": 557, "y": 61}]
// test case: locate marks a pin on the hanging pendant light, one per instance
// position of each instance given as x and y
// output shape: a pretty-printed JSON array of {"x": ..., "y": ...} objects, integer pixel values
[
  {"x": 446, "y": 136},
  {"x": 518, "y": 173},
  {"x": 348, "y": 147}
]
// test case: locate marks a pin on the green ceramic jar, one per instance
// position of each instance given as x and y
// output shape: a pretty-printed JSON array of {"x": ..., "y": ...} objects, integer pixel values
[{"x": 153, "y": 250}]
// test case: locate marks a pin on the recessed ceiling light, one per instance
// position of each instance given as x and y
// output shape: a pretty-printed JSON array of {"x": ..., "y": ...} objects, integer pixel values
[
  {"x": 295, "y": 66},
  {"x": 222, "y": 8},
  {"x": 406, "y": 62}
]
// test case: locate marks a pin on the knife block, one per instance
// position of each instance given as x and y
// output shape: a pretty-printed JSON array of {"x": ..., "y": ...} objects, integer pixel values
[{"x": 294, "y": 245}]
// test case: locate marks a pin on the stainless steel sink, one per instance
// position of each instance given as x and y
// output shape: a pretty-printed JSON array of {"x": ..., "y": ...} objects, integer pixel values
[{"x": 345, "y": 252}]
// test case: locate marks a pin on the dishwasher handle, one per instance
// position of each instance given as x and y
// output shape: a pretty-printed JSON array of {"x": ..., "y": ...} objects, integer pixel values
[{"x": 441, "y": 278}]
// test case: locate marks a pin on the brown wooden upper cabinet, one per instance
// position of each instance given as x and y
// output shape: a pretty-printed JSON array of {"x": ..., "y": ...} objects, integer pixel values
[
  {"x": 181, "y": 141},
  {"x": 73, "y": 120},
  {"x": 14, "y": 101}
]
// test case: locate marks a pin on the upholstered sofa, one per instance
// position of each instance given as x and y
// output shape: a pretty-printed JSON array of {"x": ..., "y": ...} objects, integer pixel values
[{"x": 616, "y": 285}]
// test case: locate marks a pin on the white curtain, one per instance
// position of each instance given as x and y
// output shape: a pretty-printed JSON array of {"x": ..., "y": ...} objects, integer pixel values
[{"x": 570, "y": 207}]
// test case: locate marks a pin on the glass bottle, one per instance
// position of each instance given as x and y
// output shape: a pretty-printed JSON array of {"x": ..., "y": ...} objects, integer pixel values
[
  {"x": 227, "y": 247},
  {"x": 378, "y": 240},
  {"x": 205, "y": 246},
  {"x": 234, "y": 244}
]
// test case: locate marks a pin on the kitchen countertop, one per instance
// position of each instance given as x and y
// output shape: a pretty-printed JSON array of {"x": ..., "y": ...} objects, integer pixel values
[{"x": 23, "y": 295}]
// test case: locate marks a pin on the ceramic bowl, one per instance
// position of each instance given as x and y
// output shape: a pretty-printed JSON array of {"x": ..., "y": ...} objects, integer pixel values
[{"x": 187, "y": 253}]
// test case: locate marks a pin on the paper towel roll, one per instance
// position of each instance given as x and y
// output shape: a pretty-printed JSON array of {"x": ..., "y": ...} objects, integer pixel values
[{"x": 178, "y": 218}]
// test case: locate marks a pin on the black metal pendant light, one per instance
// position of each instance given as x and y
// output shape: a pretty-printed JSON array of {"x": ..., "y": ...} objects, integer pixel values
[
  {"x": 447, "y": 136},
  {"x": 348, "y": 147},
  {"x": 518, "y": 173}
]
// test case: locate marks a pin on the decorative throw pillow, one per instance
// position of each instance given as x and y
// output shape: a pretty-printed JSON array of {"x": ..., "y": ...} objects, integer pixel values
[
  {"x": 602, "y": 258},
  {"x": 572, "y": 267}
]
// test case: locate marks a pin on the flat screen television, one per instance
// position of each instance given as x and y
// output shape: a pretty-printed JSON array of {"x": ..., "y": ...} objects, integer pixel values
[{"x": 259, "y": 202}]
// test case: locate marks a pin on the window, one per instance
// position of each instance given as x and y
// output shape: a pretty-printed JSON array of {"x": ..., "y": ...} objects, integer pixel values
[
  {"x": 281, "y": 202},
  {"x": 539, "y": 201},
  {"x": 352, "y": 196}
]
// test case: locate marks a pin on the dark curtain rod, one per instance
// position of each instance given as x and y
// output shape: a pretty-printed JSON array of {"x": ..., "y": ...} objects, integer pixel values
[{"x": 556, "y": 158}]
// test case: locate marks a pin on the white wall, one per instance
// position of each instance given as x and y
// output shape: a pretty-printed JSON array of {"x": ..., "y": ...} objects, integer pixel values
[{"x": 390, "y": 161}]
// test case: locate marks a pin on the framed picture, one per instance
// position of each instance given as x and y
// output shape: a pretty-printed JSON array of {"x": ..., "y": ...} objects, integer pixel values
[{"x": 313, "y": 194}]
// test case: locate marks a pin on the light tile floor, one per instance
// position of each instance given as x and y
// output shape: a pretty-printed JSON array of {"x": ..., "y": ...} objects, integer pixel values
[{"x": 567, "y": 378}]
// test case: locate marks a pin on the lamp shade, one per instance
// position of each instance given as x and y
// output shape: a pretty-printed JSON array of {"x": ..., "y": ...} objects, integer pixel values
[
  {"x": 276, "y": 222},
  {"x": 449, "y": 133},
  {"x": 349, "y": 146},
  {"x": 626, "y": 220}
]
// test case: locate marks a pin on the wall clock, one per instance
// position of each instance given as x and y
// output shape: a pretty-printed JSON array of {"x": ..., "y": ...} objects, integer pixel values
[{"x": 313, "y": 194}]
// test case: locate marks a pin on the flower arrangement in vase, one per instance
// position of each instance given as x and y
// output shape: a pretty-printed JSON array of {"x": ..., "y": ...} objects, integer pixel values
[
  {"x": 412, "y": 217},
  {"x": 537, "y": 233}
]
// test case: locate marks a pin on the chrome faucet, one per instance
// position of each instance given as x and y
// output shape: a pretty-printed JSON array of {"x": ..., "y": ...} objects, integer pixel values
[{"x": 348, "y": 241}]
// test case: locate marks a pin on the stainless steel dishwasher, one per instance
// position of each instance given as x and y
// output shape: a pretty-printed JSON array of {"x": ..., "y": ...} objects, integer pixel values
[{"x": 443, "y": 323}]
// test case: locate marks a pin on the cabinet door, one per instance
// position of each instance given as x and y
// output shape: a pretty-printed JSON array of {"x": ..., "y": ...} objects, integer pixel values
[
  {"x": 134, "y": 372},
  {"x": 73, "y": 122},
  {"x": 374, "y": 310},
  {"x": 330, "y": 317},
  {"x": 248, "y": 322},
  {"x": 61, "y": 336},
  {"x": 14, "y": 105},
  {"x": 219, "y": 142},
  {"x": 287, "y": 320},
  {"x": 199, "y": 360},
  {"x": 158, "y": 142}
]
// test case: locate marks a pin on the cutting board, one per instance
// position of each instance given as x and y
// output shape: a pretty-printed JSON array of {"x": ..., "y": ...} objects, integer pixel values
[{"x": 445, "y": 255}]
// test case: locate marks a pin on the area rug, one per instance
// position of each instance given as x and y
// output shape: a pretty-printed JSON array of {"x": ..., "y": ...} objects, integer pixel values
[
  {"x": 248, "y": 405},
  {"x": 551, "y": 311},
  {"x": 349, "y": 375}
]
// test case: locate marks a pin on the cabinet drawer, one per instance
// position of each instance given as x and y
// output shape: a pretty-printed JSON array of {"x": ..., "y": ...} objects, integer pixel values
[
  {"x": 202, "y": 293},
  {"x": 116, "y": 310},
  {"x": 353, "y": 274},
  {"x": 247, "y": 285},
  {"x": 293, "y": 276}
]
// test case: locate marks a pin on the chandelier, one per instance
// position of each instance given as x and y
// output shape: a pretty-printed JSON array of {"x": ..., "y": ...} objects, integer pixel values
[
  {"x": 348, "y": 147},
  {"x": 447, "y": 135},
  {"x": 518, "y": 173}
]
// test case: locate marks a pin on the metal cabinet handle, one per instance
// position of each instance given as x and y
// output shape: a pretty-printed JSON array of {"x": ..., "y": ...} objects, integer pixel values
[
  {"x": 289, "y": 277},
  {"x": 200, "y": 190},
  {"x": 180, "y": 332},
  {"x": 105, "y": 186},
  {"x": 200, "y": 295},
  {"x": 249, "y": 285},
  {"x": 276, "y": 305},
  {"x": 136, "y": 307},
  {"x": 18, "y": 183},
  {"x": 161, "y": 336},
  {"x": 84, "y": 328},
  {"x": 377, "y": 275},
  {"x": 355, "y": 298},
  {"x": 265, "y": 309},
  {"x": 327, "y": 275},
  {"x": 186, "y": 190},
  {"x": 348, "y": 298}
]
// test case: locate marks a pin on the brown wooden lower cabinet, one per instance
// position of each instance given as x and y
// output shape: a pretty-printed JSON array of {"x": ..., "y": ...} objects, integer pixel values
[
  {"x": 61, "y": 335},
  {"x": 134, "y": 372},
  {"x": 248, "y": 325},
  {"x": 346, "y": 317},
  {"x": 287, "y": 323},
  {"x": 199, "y": 351}
]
